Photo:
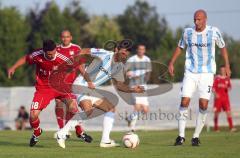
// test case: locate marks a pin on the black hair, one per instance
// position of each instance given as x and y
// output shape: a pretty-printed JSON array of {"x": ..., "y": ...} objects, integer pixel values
[
  {"x": 125, "y": 44},
  {"x": 22, "y": 107},
  {"x": 48, "y": 45}
]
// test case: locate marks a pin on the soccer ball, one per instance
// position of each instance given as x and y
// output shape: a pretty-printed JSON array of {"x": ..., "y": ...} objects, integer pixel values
[{"x": 130, "y": 140}]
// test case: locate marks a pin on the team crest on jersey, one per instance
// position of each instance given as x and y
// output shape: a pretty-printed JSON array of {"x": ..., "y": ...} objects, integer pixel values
[
  {"x": 55, "y": 67},
  {"x": 71, "y": 52}
]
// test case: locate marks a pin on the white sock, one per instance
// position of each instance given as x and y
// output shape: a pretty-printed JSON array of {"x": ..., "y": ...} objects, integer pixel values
[
  {"x": 183, "y": 112},
  {"x": 133, "y": 115},
  {"x": 107, "y": 126},
  {"x": 133, "y": 118},
  {"x": 70, "y": 124},
  {"x": 201, "y": 119}
]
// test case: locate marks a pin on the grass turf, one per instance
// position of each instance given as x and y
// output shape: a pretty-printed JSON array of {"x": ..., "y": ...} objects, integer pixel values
[{"x": 152, "y": 144}]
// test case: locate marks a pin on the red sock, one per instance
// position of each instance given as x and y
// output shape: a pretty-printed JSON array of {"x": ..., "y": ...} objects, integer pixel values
[
  {"x": 69, "y": 115},
  {"x": 60, "y": 116},
  {"x": 215, "y": 123},
  {"x": 230, "y": 122},
  {"x": 79, "y": 130},
  {"x": 35, "y": 125}
]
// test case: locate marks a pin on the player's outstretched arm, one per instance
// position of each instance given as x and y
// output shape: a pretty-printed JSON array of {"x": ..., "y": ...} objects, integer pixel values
[
  {"x": 86, "y": 76},
  {"x": 13, "y": 68},
  {"x": 83, "y": 54},
  {"x": 176, "y": 54},
  {"x": 224, "y": 53},
  {"x": 121, "y": 86},
  {"x": 85, "y": 51}
]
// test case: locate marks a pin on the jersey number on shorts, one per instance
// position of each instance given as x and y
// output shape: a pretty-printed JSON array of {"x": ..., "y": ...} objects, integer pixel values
[
  {"x": 34, "y": 105},
  {"x": 209, "y": 89}
]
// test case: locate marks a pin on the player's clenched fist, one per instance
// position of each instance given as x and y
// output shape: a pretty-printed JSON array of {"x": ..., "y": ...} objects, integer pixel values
[
  {"x": 171, "y": 69},
  {"x": 91, "y": 85},
  {"x": 138, "y": 89},
  {"x": 11, "y": 71}
]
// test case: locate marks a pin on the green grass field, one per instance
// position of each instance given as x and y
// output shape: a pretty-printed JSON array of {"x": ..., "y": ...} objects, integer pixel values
[{"x": 152, "y": 144}]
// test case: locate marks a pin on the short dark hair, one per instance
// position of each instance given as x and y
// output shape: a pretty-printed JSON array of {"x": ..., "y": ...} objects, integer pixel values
[
  {"x": 124, "y": 44},
  {"x": 66, "y": 30},
  {"x": 48, "y": 45},
  {"x": 22, "y": 107},
  {"x": 141, "y": 44}
]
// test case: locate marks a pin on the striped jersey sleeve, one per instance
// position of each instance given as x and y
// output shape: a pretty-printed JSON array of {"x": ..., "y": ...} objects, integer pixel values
[
  {"x": 181, "y": 42},
  {"x": 219, "y": 40},
  {"x": 31, "y": 58}
]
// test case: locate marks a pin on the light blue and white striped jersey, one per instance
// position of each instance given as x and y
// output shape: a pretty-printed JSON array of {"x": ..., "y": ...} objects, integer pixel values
[
  {"x": 102, "y": 68},
  {"x": 200, "y": 53},
  {"x": 139, "y": 67}
]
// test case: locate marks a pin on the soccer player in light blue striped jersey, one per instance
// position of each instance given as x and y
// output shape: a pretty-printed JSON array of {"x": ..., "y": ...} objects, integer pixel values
[
  {"x": 200, "y": 67},
  {"x": 105, "y": 66},
  {"x": 138, "y": 70}
]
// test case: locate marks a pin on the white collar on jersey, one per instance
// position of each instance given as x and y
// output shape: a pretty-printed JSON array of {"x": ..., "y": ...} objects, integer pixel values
[
  {"x": 140, "y": 57},
  {"x": 52, "y": 58},
  {"x": 66, "y": 46}
]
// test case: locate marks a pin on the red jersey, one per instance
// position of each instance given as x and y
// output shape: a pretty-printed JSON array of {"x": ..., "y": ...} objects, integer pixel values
[
  {"x": 44, "y": 66},
  {"x": 70, "y": 51},
  {"x": 221, "y": 86}
]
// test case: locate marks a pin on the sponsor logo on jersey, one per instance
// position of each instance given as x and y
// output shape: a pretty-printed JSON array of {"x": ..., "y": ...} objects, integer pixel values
[
  {"x": 105, "y": 71},
  {"x": 200, "y": 44}
]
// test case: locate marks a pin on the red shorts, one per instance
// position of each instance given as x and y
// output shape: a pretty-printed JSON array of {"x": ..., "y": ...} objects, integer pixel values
[
  {"x": 221, "y": 104},
  {"x": 42, "y": 97}
]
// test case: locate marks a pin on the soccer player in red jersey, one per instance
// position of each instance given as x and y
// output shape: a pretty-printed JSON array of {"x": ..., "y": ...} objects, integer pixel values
[
  {"x": 47, "y": 60},
  {"x": 69, "y": 50},
  {"x": 221, "y": 87}
]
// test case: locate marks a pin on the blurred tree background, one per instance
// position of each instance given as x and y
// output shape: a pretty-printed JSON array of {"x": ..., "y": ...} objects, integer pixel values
[{"x": 20, "y": 34}]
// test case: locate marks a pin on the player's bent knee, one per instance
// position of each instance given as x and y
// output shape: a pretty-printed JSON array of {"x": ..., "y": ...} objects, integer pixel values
[
  {"x": 104, "y": 104},
  {"x": 145, "y": 110},
  {"x": 86, "y": 106},
  {"x": 185, "y": 102},
  {"x": 59, "y": 105},
  {"x": 72, "y": 107},
  {"x": 203, "y": 103},
  {"x": 138, "y": 107},
  {"x": 34, "y": 114}
]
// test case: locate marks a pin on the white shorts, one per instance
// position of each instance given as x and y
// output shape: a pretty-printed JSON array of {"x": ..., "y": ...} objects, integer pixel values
[
  {"x": 138, "y": 99},
  {"x": 141, "y": 100},
  {"x": 86, "y": 94},
  {"x": 87, "y": 97},
  {"x": 202, "y": 82}
]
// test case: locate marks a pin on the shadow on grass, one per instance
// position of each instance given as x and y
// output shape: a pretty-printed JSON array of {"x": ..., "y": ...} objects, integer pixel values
[{"x": 5, "y": 143}]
